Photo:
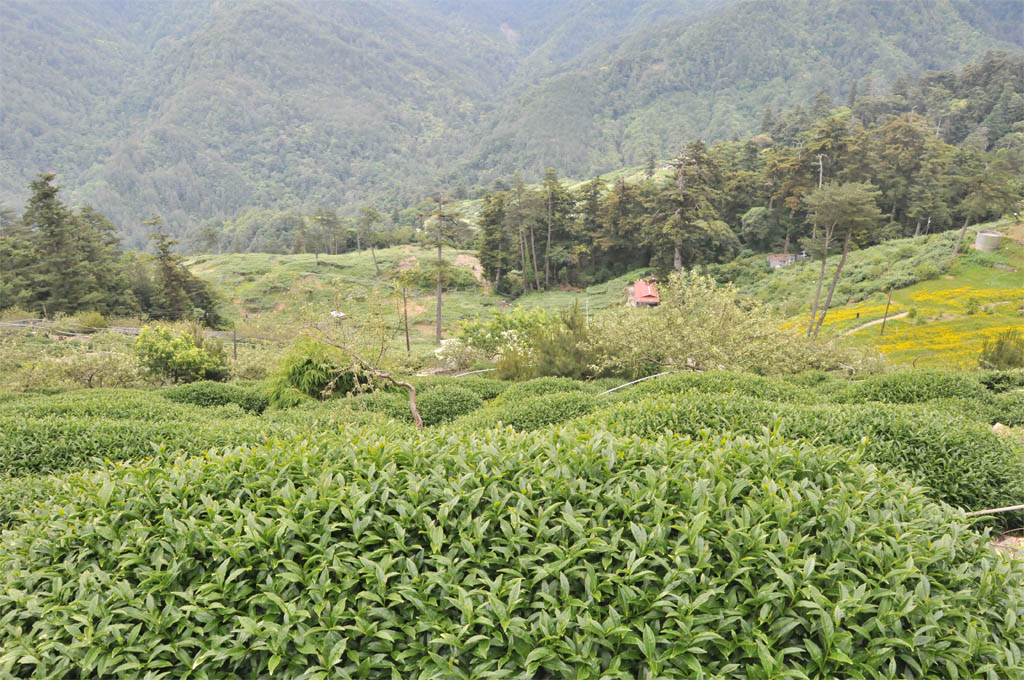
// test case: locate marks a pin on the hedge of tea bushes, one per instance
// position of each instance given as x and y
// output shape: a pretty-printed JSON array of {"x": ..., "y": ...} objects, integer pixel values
[
  {"x": 436, "y": 405},
  {"x": 911, "y": 387},
  {"x": 961, "y": 461},
  {"x": 253, "y": 399},
  {"x": 719, "y": 382},
  {"x": 32, "y": 446},
  {"x": 115, "y": 404},
  {"x": 558, "y": 554},
  {"x": 485, "y": 388},
  {"x": 540, "y": 386},
  {"x": 530, "y": 412}
]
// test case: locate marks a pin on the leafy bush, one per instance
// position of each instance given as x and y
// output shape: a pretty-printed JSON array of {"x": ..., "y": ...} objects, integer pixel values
[
  {"x": 908, "y": 387},
  {"x": 207, "y": 393},
  {"x": 701, "y": 325},
  {"x": 445, "y": 403},
  {"x": 556, "y": 555},
  {"x": 436, "y": 404},
  {"x": 81, "y": 368},
  {"x": 485, "y": 388},
  {"x": 962, "y": 461},
  {"x": 57, "y": 443},
  {"x": 114, "y": 404},
  {"x": 538, "y": 386},
  {"x": 315, "y": 370},
  {"x": 926, "y": 271},
  {"x": 1001, "y": 381},
  {"x": 718, "y": 382},
  {"x": 185, "y": 358},
  {"x": 531, "y": 413}
]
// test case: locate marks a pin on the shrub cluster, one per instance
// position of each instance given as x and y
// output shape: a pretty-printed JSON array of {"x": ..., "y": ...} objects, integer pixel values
[
  {"x": 516, "y": 392},
  {"x": 962, "y": 461},
  {"x": 722, "y": 382},
  {"x": 531, "y": 413},
  {"x": 32, "y": 446},
  {"x": 208, "y": 393},
  {"x": 554, "y": 555},
  {"x": 911, "y": 387}
]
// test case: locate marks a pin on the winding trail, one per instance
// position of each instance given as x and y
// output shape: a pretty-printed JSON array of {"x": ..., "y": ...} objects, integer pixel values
[{"x": 874, "y": 323}]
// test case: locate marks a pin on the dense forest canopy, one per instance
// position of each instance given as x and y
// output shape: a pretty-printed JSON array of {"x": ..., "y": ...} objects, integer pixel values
[
  {"x": 943, "y": 149},
  {"x": 202, "y": 111}
]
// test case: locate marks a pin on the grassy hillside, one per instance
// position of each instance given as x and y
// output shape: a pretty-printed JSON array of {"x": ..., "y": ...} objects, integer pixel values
[{"x": 271, "y": 295}]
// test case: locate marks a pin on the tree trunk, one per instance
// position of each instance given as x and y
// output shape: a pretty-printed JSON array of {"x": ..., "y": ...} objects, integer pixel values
[
  {"x": 785, "y": 246},
  {"x": 358, "y": 246},
  {"x": 917, "y": 229},
  {"x": 677, "y": 258},
  {"x": 522, "y": 252},
  {"x": 960, "y": 237},
  {"x": 547, "y": 249},
  {"x": 533, "y": 250},
  {"x": 817, "y": 295},
  {"x": 405, "y": 314},
  {"x": 375, "y": 265},
  {"x": 832, "y": 288},
  {"x": 440, "y": 273}
]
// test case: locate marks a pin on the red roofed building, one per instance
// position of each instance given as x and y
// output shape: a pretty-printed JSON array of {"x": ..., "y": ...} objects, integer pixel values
[{"x": 645, "y": 295}]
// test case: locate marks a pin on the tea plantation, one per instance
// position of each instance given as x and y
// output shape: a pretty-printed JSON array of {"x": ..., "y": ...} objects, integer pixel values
[{"x": 698, "y": 525}]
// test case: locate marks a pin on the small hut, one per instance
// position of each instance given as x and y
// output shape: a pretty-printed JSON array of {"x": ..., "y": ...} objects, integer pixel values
[{"x": 643, "y": 294}]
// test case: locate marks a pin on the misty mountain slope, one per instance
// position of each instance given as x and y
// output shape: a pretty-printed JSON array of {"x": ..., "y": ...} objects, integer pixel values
[
  {"x": 712, "y": 78},
  {"x": 196, "y": 109}
]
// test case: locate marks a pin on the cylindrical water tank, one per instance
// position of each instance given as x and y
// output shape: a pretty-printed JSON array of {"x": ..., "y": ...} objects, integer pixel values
[{"x": 987, "y": 241}]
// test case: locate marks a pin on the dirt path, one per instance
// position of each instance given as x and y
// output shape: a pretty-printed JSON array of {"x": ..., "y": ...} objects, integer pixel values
[{"x": 874, "y": 323}]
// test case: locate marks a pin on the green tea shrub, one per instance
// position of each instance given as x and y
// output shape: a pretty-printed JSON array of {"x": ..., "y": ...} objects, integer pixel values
[
  {"x": 206, "y": 393},
  {"x": 718, "y": 382},
  {"x": 908, "y": 387},
  {"x": 962, "y": 461},
  {"x": 485, "y": 388},
  {"x": 1001, "y": 381},
  {"x": 443, "y": 404},
  {"x": 555, "y": 555},
  {"x": 436, "y": 405},
  {"x": 531, "y": 413},
  {"x": 115, "y": 404},
  {"x": 1008, "y": 408},
  {"x": 31, "y": 446},
  {"x": 538, "y": 386}
]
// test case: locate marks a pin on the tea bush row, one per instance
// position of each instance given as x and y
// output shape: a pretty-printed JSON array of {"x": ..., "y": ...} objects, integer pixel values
[
  {"x": 32, "y": 446},
  {"x": 114, "y": 404},
  {"x": 908, "y": 387},
  {"x": 559, "y": 555},
  {"x": 209, "y": 393},
  {"x": 530, "y": 413},
  {"x": 962, "y": 461},
  {"x": 436, "y": 405},
  {"x": 718, "y": 382}
]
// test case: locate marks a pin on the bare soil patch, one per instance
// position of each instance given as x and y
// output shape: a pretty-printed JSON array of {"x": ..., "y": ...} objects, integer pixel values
[{"x": 467, "y": 260}]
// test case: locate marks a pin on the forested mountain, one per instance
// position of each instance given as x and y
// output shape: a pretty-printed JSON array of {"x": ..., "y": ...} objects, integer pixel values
[{"x": 199, "y": 110}]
